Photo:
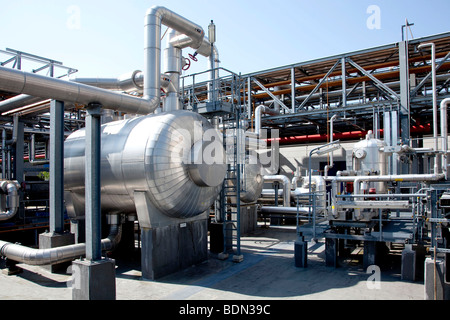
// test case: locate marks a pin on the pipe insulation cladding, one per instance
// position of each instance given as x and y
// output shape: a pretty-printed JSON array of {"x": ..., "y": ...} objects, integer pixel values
[{"x": 165, "y": 155}]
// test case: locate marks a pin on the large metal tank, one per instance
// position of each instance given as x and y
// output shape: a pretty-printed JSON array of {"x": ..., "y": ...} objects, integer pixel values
[
  {"x": 252, "y": 180},
  {"x": 158, "y": 154},
  {"x": 369, "y": 159}
]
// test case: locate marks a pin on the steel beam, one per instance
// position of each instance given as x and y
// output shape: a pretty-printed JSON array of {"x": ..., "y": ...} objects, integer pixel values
[
  {"x": 271, "y": 95},
  {"x": 380, "y": 85},
  {"x": 319, "y": 84}
]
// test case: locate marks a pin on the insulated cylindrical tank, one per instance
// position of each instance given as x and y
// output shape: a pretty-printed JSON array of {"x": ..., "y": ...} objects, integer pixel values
[
  {"x": 252, "y": 181},
  {"x": 369, "y": 158},
  {"x": 165, "y": 155}
]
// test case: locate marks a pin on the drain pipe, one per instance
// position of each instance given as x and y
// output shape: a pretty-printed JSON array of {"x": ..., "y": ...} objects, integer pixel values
[
  {"x": 41, "y": 257},
  {"x": 12, "y": 199}
]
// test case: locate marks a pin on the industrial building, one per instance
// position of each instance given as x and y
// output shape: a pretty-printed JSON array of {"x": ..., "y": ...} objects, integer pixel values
[{"x": 350, "y": 151}]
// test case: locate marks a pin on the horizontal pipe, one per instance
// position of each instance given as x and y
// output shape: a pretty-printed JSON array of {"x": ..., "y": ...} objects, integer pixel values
[
  {"x": 284, "y": 210},
  {"x": 350, "y": 81},
  {"x": 40, "y": 257},
  {"x": 351, "y": 135},
  {"x": 372, "y": 204},
  {"x": 350, "y": 71},
  {"x": 17, "y": 81}
]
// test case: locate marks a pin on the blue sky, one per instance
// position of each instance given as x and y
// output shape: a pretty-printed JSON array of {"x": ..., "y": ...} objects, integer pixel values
[{"x": 106, "y": 37}]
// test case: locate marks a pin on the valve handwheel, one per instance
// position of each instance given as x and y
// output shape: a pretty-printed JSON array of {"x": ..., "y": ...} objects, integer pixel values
[
  {"x": 187, "y": 65},
  {"x": 193, "y": 58}
]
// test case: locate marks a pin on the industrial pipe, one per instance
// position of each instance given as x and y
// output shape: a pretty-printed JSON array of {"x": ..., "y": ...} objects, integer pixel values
[
  {"x": 258, "y": 116},
  {"x": 286, "y": 187},
  {"x": 444, "y": 135},
  {"x": 154, "y": 19},
  {"x": 40, "y": 257},
  {"x": 12, "y": 199},
  {"x": 395, "y": 178},
  {"x": 434, "y": 88},
  {"x": 331, "y": 165},
  {"x": 127, "y": 82},
  {"x": 50, "y": 88}
]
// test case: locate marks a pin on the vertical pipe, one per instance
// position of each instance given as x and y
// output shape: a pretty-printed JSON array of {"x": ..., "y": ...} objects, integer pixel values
[
  {"x": 4, "y": 177},
  {"x": 56, "y": 167},
  {"x": 344, "y": 83},
  {"x": 293, "y": 89},
  {"x": 249, "y": 97},
  {"x": 435, "y": 116},
  {"x": 444, "y": 135},
  {"x": 93, "y": 213}
]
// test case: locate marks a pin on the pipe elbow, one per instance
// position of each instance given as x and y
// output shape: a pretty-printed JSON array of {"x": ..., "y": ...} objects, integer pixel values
[{"x": 12, "y": 199}]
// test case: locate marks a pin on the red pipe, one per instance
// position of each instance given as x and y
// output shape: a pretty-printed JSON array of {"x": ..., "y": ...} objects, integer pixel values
[{"x": 352, "y": 135}]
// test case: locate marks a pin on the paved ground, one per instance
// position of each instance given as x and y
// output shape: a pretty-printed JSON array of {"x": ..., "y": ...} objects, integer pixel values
[{"x": 267, "y": 272}]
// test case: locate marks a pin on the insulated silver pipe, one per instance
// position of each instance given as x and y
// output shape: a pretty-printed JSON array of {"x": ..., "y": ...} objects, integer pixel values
[
  {"x": 172, "y": 68},
  {"x": 444, "y": 135},
  {"x": 391, "y": 178},
  {"x": 131, "y": 81},
  {"x": 50, "y": 88},
  {"x": 12, "y": 199},
  {"x": 154, "y": 19},
  {"x": 41, "y": 257},
  {"x": 286, "y": 187},
  {"x": 328, "y": 167},
  {"x": 284, "y": 210},
  {"x": 258, "y": 116},
  {"x": 434, "y": 88}
]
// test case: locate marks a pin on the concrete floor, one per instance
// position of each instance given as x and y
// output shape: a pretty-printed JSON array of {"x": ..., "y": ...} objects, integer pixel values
[{"x": 267, "y": 273}]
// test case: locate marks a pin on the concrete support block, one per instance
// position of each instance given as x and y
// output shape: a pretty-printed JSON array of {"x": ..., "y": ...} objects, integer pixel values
[
  {"x": 249, "y": 220},
  {"x": 55, "y": 240},
  {"x": 370, "y": 251},
  {"x": 301, "y": 253},
  {"x": 434, "y": 279},
  {"x": 173, "y": 248},
  {"x": 408, "y": 264},
  {"x": 94, "y": 280}
]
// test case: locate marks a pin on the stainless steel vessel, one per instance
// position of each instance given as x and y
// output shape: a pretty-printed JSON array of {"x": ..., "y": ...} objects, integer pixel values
[{"x": 158, "y": 154}]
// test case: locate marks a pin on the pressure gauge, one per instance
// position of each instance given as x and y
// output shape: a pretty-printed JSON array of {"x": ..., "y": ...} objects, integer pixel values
[{"x": 360, "y": 153}]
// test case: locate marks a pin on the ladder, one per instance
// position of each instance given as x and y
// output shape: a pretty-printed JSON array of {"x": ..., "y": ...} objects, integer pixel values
[{"x": 232, "y": 186}]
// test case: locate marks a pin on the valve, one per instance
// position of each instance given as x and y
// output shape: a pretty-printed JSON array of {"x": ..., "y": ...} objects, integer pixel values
[
  {"x": 187, "y": 64},
  {"x": 193, "y": 57}
]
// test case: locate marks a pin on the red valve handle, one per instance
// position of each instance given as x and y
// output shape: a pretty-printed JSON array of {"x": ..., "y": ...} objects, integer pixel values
[
  {"x": 188, "y": 64},
  {"x": 193, "y": 58}
]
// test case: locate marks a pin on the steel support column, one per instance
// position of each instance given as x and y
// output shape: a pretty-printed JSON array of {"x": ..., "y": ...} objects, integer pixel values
[
  {"x": 56, "y": 167},
  {"x": 92, "y": 181},
  {"x": 404, "y": 97},
  {"x": 344, "y": 83},
  {"x": 293, "y": 89}
]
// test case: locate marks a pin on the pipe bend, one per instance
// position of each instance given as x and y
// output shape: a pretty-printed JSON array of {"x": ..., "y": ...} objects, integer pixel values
[
  {"x": 286, "y": 187},
  {"x": 40, "y": 257},
  {"x": 12, "y": 199}
]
